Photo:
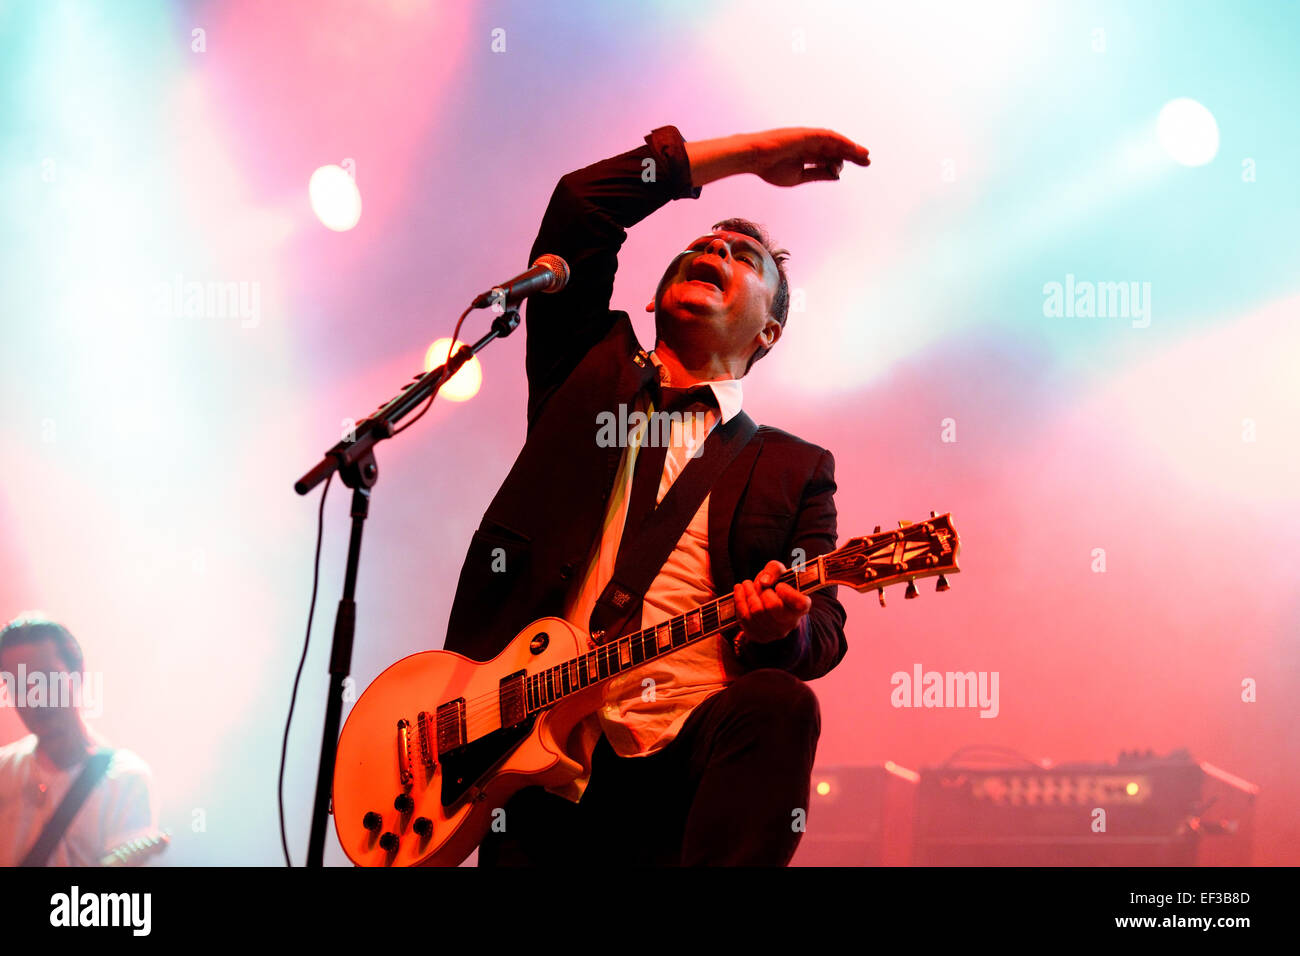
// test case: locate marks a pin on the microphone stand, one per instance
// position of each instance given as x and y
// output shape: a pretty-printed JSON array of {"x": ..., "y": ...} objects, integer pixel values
[{"x": 354, "y": 460}]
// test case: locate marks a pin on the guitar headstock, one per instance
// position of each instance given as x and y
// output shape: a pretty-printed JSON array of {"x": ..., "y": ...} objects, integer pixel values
[
  {"x": 915, "y": 550},
  {"x": 138, "y": 851}
]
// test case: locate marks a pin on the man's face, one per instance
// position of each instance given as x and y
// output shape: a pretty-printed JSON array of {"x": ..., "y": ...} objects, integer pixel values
[
  {"x": 42, "y": 657},
  {"x": 717, "y": 296}
]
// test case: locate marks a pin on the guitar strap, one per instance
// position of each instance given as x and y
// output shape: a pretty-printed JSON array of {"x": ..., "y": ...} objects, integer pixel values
[
  {"x": 92, "y": 771},
  {"x": 642, "y": 553}
]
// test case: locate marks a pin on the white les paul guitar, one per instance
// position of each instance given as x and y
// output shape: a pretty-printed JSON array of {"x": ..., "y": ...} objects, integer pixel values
[{"x": 439, "y": 741}]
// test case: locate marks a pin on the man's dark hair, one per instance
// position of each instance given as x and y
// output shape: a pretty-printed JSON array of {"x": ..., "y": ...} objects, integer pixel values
[
  {"x": 33, "y": 627},
  {"x": 780, "y": 301}
]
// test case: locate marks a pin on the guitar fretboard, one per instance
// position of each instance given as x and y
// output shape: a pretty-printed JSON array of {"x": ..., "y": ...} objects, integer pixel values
[{"x": 544, "y": 688}]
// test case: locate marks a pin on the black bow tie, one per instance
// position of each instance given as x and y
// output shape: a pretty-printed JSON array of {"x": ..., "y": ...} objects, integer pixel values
[{"x": 669, "y": 398}]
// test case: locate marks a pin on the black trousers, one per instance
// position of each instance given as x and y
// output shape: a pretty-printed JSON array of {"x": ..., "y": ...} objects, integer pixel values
[{"x": 731, "y": 789}]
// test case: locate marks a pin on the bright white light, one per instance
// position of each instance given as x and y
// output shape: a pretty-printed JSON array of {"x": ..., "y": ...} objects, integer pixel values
[
  {"x": 1188, "y": 132},
  {"x": 335, "y": 198},
  {"x": 464, "y": 385}
]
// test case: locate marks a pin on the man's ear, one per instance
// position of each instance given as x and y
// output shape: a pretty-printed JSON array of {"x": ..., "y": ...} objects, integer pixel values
[
  {"x": 650, "y": 306},
  {"x": 771, "y": 333}
]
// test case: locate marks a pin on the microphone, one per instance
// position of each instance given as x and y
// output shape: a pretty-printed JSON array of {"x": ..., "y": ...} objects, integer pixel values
[{"x": 548, "y": 274}]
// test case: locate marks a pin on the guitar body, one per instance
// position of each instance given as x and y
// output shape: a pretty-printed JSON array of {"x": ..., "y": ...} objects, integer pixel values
[{"x": 459, "y": 792}]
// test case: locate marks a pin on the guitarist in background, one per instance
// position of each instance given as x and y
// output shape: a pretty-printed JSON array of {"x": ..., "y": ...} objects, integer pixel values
[
  {"x": 703, "y": 756},
  {"x": 42, "y": 821}
]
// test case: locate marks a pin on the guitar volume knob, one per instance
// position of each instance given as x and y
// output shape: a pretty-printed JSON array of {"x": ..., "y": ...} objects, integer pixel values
[{"x": 372, "y": 821}]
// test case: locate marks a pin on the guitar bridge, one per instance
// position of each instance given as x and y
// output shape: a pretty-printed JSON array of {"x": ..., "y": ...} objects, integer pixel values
[
  {"x": 426, "y": 741},
  {"x": 404, "y": 751}
]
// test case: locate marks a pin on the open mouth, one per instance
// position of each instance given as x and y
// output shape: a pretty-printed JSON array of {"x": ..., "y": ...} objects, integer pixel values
[{"x": 704, "y": 271}]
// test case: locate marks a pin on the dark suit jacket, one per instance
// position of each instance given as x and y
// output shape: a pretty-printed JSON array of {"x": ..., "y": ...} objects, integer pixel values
[{"x": 582, "y": 359}]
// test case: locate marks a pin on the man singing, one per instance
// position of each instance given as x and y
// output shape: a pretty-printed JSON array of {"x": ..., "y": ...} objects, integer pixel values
[{"x": 702, "y": 756}]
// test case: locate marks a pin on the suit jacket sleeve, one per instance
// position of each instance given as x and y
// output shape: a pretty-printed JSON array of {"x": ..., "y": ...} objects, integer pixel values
[
  {"x": 586, "y": 224},
  {"x": 817, "y": 644}
]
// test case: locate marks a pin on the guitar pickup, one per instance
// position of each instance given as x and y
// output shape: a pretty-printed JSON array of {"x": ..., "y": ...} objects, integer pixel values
[
  {"x": 510, "y": 694},
  {"x": 451, "y": 725}
]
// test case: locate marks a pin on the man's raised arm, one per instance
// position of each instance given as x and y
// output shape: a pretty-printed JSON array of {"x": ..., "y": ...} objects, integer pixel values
[
  {"x": 585, "y": 224},
  {"x": 591, "y": 209}
]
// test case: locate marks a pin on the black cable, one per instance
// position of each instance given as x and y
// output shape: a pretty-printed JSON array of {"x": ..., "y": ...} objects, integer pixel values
[
  {"x": 284, "y": 747},
  {"x": 455, "y": 336}
]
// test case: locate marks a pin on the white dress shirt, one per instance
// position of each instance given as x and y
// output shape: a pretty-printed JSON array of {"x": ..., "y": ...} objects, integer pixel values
[
  {"x": 120, "y": 808},
  {"x": 645, "y": 707}
]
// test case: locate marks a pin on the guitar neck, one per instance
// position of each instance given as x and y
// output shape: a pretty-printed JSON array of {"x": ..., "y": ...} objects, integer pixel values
[
  {"x": 869, "y": 562},
  {"x": 547, "y": 687}
]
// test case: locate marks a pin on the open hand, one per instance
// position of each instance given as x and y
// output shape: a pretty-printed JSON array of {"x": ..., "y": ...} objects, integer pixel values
[{"x": 788, "y": 157}]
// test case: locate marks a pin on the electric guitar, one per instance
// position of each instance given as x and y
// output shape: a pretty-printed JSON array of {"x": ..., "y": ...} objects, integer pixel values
[{"x": 439, "y": 741}]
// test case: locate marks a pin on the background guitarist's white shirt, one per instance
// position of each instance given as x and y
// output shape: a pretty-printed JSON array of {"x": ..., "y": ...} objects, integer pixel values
[
  {"x": 645, "y": 707},
  {"x": 118, "y": 809}
]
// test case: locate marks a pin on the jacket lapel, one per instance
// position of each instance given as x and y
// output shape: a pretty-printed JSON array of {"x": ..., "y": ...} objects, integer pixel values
[{"x": 722, "y": 506}]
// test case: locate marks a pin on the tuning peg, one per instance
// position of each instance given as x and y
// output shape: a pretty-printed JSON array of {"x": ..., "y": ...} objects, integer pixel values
[
  {"x": 876, "y": 530},
  {"x": 933, "y": 515},
  {"x": 904, "y": 524},
  {"x": 911, "y": 590},
  {"x": 942, "y": 584},
  {"x": 881, "y": 593}
]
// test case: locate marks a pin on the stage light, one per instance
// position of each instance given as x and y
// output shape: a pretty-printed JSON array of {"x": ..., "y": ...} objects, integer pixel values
[
  {"x": 823, "y": 788},
  {"x": 464, "y": 385},
  {"x": 335, "y": 198},
  {"x": 1131, "y": 789},
  {"x": 1188, "y": 132}
]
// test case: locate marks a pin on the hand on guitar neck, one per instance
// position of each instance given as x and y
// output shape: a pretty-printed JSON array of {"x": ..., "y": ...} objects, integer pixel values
[{"x": 768, "y": 608}]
